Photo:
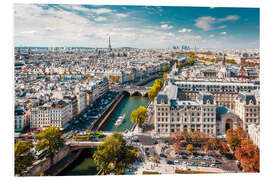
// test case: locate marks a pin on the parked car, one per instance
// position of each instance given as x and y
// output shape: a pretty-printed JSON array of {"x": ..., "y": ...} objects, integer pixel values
[
  {"x": 176, "y": 162},
  {"x": 213, "y": 165},
  {"x": 170, "y": 162},
  {"x": 163, "y": 155}
]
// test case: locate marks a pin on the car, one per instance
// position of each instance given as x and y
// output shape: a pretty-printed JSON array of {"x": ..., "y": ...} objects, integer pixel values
[
  {"x": 163, "y": 155},
  {"x": 184, "y": 163},
  {"x": 176, "y": 162},
  {"x": 200, "y": 158},
  {"x": 205, "y": 165},
  {"x": 213, "y": 165},
  {"x": 177, "y": 157},
  {"x": 184, "y": 157},
  {"x": 170, "y": 162}
]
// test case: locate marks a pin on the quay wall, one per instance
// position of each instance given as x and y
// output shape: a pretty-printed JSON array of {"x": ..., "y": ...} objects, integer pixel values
[
  {"x": 109, "y": 112},
  {"x": 44, "y": 164},
  {"x": 101, "y": 120},
  {"x": 67, "y": 164}
]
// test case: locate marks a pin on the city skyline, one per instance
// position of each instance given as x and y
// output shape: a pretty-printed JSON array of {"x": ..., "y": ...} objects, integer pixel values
[{"x": 135, "y": 26}]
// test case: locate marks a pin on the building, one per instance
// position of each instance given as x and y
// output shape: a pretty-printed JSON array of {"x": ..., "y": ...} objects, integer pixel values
[
  {"x": 224, "y": 92},
  {"x": 254, "y": 134},
  {"x": 55, "y": 114},
  {"x": 20, "y": 119},
  {"x": 247, "y": 108},
  {"x": 173, "y": 114}
]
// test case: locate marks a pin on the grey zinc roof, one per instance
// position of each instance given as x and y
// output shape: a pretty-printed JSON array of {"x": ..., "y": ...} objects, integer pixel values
[
  {"x": 247, "y": 97},
  {"x": 205, "y": 96},
  {"x": 162, "y": 96}
]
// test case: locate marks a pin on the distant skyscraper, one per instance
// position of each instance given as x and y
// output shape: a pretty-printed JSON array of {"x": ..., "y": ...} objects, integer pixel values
[{"x": 109, "y": 47}]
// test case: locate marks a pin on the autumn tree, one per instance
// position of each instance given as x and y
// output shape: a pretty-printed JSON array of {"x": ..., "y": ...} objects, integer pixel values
[
  {"x": 50, "y": 141},
  {"x": 23, "y": 157},
  {"x": 213, "y": 144},
  {"x": 113, "y": 155},
  {"x": 165, "y": 76},
  {"x": 138, "y": 116},
  {"x": 165, "y": 68},
  {"x": 190, "y": 147},
  {"x": 223, "y": 147},
  {"x": 249, "y": 157},
  {"x": 152, "y": 93}
]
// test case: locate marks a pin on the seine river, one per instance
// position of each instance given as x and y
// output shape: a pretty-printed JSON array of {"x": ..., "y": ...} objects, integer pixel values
[{"x": 84, "y": 165}]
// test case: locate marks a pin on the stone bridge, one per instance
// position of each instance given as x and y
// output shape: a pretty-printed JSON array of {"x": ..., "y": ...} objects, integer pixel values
[
  {"x": 136, "y": 90},
  {"x": 74, "y": 145}
]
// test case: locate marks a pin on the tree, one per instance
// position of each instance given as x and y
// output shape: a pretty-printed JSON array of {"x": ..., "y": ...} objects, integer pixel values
[
  {"x": 165, "y": 76},
  {"x": 223, "y": 147},
  {"x": 234, "y": 142},
  {"x": 113, "y": 155},
  {"x": 23, "y": 157},
  {"x": 165, "y": 68},
  {"x": 249, "y": 157},
  {"x": 50, "y": 140},
  {"x": 213, "y": 144},
  {"x": 190, "y": 147},
  {"x": 139, "y": 116},
  {"x": 152, "y": 93},
  {"x": 157, "y": 84}
]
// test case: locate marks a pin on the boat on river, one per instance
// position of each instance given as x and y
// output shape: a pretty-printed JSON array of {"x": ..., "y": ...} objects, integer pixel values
[{"x": 120, "y": 120}]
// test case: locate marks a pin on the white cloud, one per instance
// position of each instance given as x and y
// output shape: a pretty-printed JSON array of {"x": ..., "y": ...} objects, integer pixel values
[
  {"x": 101, "y": 10},
  {"x": 121, "y": 15},
  {"x": 166, "y": 26},
  {"x": 222, "y": 27},
  {"x": 206, "y": 22},
  {"x": 100, "y": 18},
  {"x": 184, "y": 30},
  {"x": 229, "y": 18},
  {"x": 223, "y": 33},
  {"x": 211, "y": 35}
]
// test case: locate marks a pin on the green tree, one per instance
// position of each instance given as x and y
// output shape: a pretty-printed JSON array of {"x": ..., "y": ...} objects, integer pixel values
[
  {"x": 23, "y": 157},
  {"x": 139, "y": 116},
  {"x": 113, "y": 155},
  {"x": 190, "y": 147},
  {"x": 50, "y": 140}
]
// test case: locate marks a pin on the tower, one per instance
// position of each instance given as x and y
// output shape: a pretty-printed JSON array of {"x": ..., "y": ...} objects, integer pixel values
[
  {"x": 224, "y": 59},
  {"x": 109, "y": 47}
]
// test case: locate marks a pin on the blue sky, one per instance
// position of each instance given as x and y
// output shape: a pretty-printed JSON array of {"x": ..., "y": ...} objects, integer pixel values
[{"x": 135, "y": 26}]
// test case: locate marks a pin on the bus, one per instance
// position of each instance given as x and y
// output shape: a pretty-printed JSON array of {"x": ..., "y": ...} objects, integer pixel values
[
  {"x": 93, "y": 133},
  {"x": 80, "y": 138}
]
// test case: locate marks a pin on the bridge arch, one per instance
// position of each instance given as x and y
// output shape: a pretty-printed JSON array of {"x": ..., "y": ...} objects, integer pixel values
[{"x": 136, "y": 93}]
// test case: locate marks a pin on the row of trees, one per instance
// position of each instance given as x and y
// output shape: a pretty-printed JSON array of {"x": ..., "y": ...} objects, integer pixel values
[
  {"x": 191, "y": 139},
  {"x": 152, "y": 93},
  {"x": 190, "y": 62},
  {"x": 48, "y": 140},
  {"x": 244, "y": 150},
  {"x": 230, "y": 61},
  {"x": 113, "y": 155}
]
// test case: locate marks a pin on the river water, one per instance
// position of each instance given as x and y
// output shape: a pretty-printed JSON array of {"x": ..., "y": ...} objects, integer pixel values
[{"x": 84, "y": 165}]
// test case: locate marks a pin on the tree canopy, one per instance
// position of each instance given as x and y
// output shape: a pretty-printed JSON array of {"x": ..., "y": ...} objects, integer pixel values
[
  {"x": 244, "y": 150},
  {"x": 190, "y": 147},
  {"x": 113, "y": 155},
  {"x": 50, "y": 140},
  {"x": 138, "y": 116},
  {"x": 23, "y": 157}
]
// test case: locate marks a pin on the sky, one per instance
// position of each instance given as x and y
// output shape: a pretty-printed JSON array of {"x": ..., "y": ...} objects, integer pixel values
[{"x": 47, "y": 25}]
